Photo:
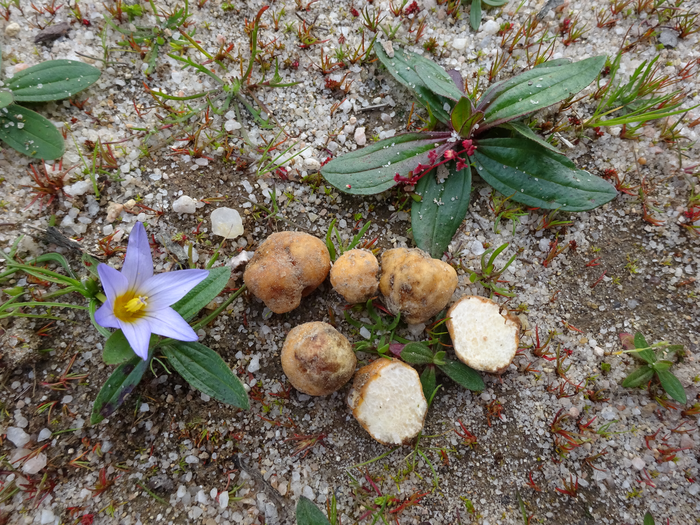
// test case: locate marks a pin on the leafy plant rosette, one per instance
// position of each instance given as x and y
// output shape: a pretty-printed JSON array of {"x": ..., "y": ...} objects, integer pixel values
[
  {"x": 483, "y": 135},
  {"x": 27, "y": 131},
  {"x": 152, "y": 314},
  {"x": 656, "y": 362}
]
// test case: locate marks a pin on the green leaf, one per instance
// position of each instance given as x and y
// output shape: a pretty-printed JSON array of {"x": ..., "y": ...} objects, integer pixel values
[
  {"x": 647, "y": 355},
  {"x": 672, "y": 386},
  {"x": 428, "y": 381},
  {"x": 463, "y": 375},
  {"x": 204, "y": 369},
  {"x": 661, "y": 366},
  {"x": 437, "y": 80},
  {"x": 309, "y": 514},
  {"x": 38, "y": 137},
  {"x": 475, "y": 15},
  {"x": 639, "y": 377},
  {"x": 438, "y": 215},
  {"x": 6, "y": 98},
  {"x": 640, "y": 341},
  {"x": 118, "y": 350},
  {"x": 649, "y": 519},
  {"x": 417, "y": 354},
  {"x": 403, "y": 68},
  {"x": 371, "y": 169},
  {"x": 52, "y": 80},
  {"x": 122, "y": 382},
  {"x": 495, "y": 3},
  {"x": 204, "y": 293},
  {"x": 538, "y": 177},
  {"x": 463, "y": 117},
  {"x": 536, "y": 89},
  {"x": 527, "y": 133}
]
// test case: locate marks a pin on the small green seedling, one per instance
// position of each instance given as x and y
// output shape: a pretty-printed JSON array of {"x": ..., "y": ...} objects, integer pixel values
[
  {"x": 656, "y": 364},
  {"x": 27, "y": 131},
  {"x": 342, "y": 247},
  {"x": 488, "y": 276}
]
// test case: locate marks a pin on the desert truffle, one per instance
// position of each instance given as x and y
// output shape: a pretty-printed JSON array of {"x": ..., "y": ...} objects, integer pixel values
[
  {"x": 387, "y": 400},
  {"x": 317, "y": 359},
  {"x": 285, "y": 268},
  {"x": 415, "y": 284},
  {"x": 483, "y": 338},
  {"x": 355, "y": 276}
]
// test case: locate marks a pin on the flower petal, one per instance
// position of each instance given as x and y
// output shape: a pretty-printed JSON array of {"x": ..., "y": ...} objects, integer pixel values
[
  {"x": 166, "y": 289},
  {"x": 138, "y": 263},
  {"x": 168, "y": 323},
  {"x": 138, "y": 334},
  {"x": 104, "y": 316},
  {"x": 113, "y": 282}
]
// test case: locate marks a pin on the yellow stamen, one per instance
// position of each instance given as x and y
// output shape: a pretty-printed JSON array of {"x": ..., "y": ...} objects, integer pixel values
[
  {"x": 130, "y": 307},
  {"x": 136, "y": 304}
]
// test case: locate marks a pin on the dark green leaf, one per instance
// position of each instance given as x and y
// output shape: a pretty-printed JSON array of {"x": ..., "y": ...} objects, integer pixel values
[
  {"x": 672, "y": 386},
  {"x": 6, "y": 98},
  {"x": 309, "y": 514},
  {"x": 204, "y": 293},
  {"x": 122, "y": 382},
  {"x": 661, "y": 366},
  {"x": 536, "y": 89},
  {"x": 204, "y": 369},
  {"x": 438, "y": 215},
  {"x": 463, "y": 375},
  {"x": 417, "y": 354},
  {"x": 52, "y": 80},
  {"x": 437, "y": 80},
  {"x": 37, "y": 137},
  {"x": 440, "y": 358},
  {"x": 117, "y": 349},
  {"x": 647, "y": 355},
  {"x": 475, "y": 15},
  {"x": 371, "y": 169},
  {"x": 537, "y": 177},
  {"x": 640, "y": 341},
  {"x": 640, "y": 376},
  {"x": 403, "y": 68},
  {"x": 428, "y": 381},
  {"x": 649, "y": 519},
  {"x": 526, "y": 132}
]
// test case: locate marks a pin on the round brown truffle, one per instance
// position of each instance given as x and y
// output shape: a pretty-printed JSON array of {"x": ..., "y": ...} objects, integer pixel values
[
  {"x": 285, "y": 268},
  {"x": 317, "y": 359},
  {"x": 415, "y": 284},
  {"x": 355, "y": 276}
]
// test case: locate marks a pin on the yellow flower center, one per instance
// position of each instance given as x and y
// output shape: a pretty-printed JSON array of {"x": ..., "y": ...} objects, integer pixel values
[{"x": 130, "y": 307}]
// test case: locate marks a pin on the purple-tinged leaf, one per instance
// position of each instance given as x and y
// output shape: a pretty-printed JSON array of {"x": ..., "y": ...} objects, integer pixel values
[
  {"x": 402, "y": 66},
  {"x": 372, "y": 169}
]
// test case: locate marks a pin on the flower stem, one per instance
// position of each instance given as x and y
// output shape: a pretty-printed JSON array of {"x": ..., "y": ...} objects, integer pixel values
[{"x": 220, "y": 309}]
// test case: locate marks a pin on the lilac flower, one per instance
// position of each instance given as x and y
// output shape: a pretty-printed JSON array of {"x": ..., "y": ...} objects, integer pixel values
[{"x": 139, "y": 302}]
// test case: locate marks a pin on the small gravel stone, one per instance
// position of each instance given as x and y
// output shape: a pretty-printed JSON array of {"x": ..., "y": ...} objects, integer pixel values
[
  {"x": 226, "y": 222},
  {"x": 12, "y": 30},
  {"x": 47, "y": 516},
  {"x": 34, "y": 464},
  {"x": 360, "y": 137},
  {"x": 17, "y": 436},
  {"x": 223, "y": 500},
  {"x": 44, "y": 435},
  {"x": 185, "y": 204},
  {"x": 638, "y": 463}
]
